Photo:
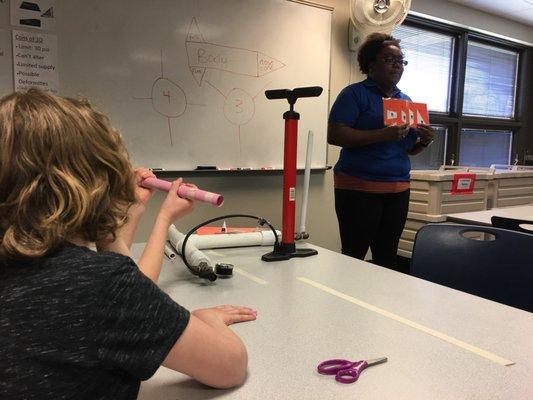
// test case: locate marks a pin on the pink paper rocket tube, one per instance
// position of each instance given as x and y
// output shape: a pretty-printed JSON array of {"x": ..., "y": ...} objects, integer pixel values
[{"x": 184, "y": 191}]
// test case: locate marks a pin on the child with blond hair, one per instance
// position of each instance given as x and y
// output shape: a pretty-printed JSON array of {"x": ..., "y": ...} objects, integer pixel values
[{"x": 80, "y": 323}]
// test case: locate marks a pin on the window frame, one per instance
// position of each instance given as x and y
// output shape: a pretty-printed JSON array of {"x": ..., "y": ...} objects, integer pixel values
[{"x": 453, "y": 119}]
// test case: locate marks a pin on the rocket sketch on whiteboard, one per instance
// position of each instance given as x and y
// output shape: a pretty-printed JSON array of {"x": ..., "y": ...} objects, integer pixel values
[
  {"x": 203, "y": 55},
  {"x": 170, "y": 100}
]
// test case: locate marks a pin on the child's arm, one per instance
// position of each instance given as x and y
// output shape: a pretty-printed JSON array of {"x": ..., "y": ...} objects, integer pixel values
[
  {"x": 143, "y": 195},
  {"x": 172, "y": 208},
  {"x": 209, "y": 351}
]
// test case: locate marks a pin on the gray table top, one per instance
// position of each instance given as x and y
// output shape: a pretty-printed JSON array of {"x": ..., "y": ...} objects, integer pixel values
[
  {"x": 300, "y": 325},
  {"x": 483, "y": 217}
]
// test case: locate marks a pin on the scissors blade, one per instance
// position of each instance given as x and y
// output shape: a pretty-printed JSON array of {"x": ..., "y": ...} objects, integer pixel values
[{"x": 376, "y": 361}]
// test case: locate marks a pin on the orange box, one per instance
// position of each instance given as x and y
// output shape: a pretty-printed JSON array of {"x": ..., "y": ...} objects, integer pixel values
[
  {"x": 399, "y": 112},
  {"x": 420, "y": 111},
  {"x": 395, "y": 111}
]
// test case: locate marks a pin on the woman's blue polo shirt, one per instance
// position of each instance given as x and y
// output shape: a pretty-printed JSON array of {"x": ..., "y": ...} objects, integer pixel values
[{"x": 360, "y": 106}]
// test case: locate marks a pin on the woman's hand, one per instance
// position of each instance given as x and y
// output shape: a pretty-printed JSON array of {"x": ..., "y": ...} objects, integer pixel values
[
  {"x": 174, "y": 206},
  {"x": 395, "y": 132},
  {"x": 142, "y": 194},
  {"x": 226, "y": 314},
  {"x": 427, "y": 134}
]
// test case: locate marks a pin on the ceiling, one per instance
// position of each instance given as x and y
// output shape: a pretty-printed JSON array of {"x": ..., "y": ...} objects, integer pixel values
[{"x": 517, "y": 10}]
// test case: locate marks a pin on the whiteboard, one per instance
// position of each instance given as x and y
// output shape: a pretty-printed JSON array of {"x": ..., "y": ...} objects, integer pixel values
[
  {"x": 6, "y": 53},
  {"x": 6, "y": 63},
  {"x": 184, "y": 80}
]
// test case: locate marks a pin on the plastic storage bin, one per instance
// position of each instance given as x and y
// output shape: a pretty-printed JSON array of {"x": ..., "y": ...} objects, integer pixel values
[
  {"x": 512, "y": 185},
  {"x": 432, "y": 199}
]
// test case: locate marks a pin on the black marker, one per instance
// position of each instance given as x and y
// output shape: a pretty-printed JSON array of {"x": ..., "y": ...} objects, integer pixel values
[{"x": 206, "y": 167}]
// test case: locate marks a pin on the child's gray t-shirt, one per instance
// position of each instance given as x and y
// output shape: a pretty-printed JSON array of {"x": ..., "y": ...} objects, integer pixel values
[{"x": 82, "y": 325}]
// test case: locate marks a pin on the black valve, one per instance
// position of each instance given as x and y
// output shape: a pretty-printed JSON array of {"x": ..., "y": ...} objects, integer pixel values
[
  {"x": 206, "y": 272},
  {"x": 224, "y": 270}
]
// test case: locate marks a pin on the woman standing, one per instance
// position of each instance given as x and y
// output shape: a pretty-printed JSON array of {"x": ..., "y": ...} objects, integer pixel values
[{"x": 372, "y": 173}]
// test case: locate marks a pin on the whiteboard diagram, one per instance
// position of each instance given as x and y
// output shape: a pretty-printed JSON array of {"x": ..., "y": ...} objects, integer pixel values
[
  {"x": 170, "y": 100},
  {"x": 203, "y": 55},
  {"x": 184, "y": 81}
]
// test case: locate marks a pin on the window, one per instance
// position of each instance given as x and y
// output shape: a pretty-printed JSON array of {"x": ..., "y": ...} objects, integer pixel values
[
  {"x": 473, "y": 84},
  {"x": 480, "y": 148},
  {"x": 433, "y": 156},
  {"x": 490, "y": 82},
  {"x": 430, "y": 60}
]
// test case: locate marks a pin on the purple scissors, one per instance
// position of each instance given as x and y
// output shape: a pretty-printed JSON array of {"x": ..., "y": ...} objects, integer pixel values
[{"x": 346, "y": 371}]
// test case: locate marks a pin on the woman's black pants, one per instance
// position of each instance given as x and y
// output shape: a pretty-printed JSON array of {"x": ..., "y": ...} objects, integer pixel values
[{"x": 374, "y": 220}]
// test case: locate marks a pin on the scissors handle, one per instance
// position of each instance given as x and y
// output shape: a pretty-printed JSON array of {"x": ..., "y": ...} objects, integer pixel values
[
  {"x": 351, "y": 374},
  {"x": 331, "y": 367}
]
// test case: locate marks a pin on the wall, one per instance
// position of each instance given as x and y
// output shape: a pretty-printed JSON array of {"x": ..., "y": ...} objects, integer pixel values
[
  {"x": 472, "y": 18},
  {"x": 261, "y": 195}
]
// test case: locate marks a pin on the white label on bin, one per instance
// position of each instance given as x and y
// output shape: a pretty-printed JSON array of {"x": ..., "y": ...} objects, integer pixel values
[{"x": 464, "y": 183}]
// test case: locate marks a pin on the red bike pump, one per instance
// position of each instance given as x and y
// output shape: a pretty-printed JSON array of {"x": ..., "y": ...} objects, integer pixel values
[{"x": 287, "y": 249}]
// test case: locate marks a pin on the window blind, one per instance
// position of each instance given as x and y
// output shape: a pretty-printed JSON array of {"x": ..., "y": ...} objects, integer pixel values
[
  {"x": 481, "y": 148},
  {"x": 433, "y": 156},
  {"x": 426, "y": 79},
  {"x": 490, "y": 81}
]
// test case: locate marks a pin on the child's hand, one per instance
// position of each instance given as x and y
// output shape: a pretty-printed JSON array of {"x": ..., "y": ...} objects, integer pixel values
[
  {"x": 143, "y": 194},
  {"x": 226, "y": 314},
  {"x": 174, "y": 206}
]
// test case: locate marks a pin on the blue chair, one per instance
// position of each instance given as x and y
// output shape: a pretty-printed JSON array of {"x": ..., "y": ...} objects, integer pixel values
[
  {"x": 499, "y": 269},
  {"x": 512, "y": 224}
]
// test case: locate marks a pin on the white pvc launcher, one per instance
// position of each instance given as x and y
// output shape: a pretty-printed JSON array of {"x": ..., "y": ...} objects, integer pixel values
[
  {"x": 184, "y": 191},
  {"x": 260, "y": 238},
  {"x": 169, "y": 251},
  {"x": 194, "y": 256}
]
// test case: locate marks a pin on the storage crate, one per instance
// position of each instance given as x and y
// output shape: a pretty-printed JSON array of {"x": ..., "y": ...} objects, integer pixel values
[
  {"x": 414, "y": 222},
  {"x": 512, "y": 185},
  {"x": 431, "y": 200},
  {"x": 431, "y": 192}
]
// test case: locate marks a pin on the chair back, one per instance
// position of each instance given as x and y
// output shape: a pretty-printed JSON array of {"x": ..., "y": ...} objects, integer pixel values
[
  {"x": 512, "y": 224},
  {"x": 499, "y": 269}
]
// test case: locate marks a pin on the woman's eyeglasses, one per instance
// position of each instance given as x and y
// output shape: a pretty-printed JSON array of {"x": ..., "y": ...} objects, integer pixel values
[{"x": 392, "y": 60}]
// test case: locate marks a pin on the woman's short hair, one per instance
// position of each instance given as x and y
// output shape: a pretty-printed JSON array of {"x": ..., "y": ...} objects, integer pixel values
[
  {"x": 371, "y": 47},
  {"x": 64, "y": 173}
]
